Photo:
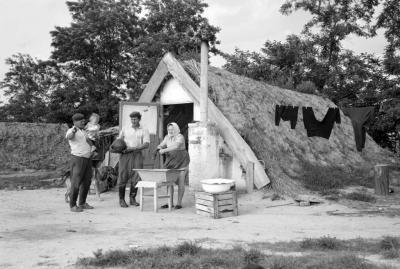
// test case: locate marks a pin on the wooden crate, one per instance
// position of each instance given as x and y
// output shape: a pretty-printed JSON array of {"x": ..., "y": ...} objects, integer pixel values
[{"x": 218, "y": 205}]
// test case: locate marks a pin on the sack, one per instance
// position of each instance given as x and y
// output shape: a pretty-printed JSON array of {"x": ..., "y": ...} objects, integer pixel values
[{"x": 118, "y": 146}]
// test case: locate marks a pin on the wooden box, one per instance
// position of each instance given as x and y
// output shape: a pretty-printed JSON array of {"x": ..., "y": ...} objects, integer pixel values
[{"x": 218, "y": 205}]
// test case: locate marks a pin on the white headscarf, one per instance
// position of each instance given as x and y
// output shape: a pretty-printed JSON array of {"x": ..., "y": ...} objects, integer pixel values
[{"x": 176, "y": 129}]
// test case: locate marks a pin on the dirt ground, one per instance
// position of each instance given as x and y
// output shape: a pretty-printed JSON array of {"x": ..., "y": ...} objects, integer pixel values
[{"x": 37, "y": 230}]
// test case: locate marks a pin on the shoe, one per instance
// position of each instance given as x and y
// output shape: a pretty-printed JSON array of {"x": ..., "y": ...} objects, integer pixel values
[
  {"x": 86, "y": 206},
  {"x": 166, "y": 206},
  {"x": 122, "y": 203},
  {"x": 76, "y": 209},
  {"x": 178, "y": 207},
  {"x": 133, "y": 202}
]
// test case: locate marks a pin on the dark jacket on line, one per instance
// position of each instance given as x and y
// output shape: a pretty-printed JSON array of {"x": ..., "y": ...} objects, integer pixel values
[{"x": 322, "y": 128}]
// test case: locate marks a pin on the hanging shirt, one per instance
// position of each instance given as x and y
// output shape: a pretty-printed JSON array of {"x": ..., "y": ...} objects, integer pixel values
[
  {"x": 286, "y": 113},
  {"x": 322, "y": 128},
  {"x": 79, "y": 144},
  {"x": 134, "y": 137},
  {"x": 359, "y": 116}
]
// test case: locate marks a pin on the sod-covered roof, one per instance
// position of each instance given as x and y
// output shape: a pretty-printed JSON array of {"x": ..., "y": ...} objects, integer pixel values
[{"x": 289, "y": 154}]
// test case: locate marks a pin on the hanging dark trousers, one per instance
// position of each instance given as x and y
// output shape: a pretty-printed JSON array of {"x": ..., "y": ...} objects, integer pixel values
[
  {"x": 286, "y": 113},
  {"x": 360, "y": 116},
  {"x": 322, "y": 128}
]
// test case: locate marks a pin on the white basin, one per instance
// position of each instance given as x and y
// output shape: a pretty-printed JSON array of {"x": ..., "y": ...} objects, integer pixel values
[{"x": 217, "y": 185}]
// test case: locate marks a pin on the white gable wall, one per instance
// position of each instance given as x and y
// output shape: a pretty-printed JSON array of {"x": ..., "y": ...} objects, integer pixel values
[{"x": 173, "y": 93}]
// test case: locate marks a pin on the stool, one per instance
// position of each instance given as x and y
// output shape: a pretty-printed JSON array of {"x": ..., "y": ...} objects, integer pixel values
[{"x": 141, "y": 185}]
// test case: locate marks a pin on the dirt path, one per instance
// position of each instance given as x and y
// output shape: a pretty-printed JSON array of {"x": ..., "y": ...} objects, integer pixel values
[{"x": 37, "y": 230}]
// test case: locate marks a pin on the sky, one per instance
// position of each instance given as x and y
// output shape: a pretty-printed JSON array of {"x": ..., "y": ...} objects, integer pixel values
[{"x": 25, "y": 27}]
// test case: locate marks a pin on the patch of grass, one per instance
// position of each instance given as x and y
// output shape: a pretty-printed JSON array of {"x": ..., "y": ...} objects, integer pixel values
[
  {"x": 330, "y": 253},
  {"x": 252, "y": 256},
  {"x": 337, "y": 261},
  {"x": 391, "y": 254},
  {"x": 389, "y": 243},
  {"x": 360, "y": 196},
  {"x": 187, "y": 248},
  {"x": 113, "y": 258},
  {"x": 323, "y": 179},
  {"x": 322, "y": 243},
  {"x": 276, "y": 196}
]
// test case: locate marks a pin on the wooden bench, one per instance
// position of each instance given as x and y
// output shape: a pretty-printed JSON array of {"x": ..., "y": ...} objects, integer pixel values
[{"x": 382, "y": 177}]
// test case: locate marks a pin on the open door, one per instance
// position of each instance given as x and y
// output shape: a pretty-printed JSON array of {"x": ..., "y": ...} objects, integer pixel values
[{"x": 150, "y": 120}]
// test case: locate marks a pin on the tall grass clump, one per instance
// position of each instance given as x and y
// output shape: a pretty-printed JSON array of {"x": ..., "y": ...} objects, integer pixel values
[
  {"x": 324, "y": 179},
  {"x": 187, "y": 248},
  {"x": 322, "y": 243},
  {"x": 360, "y": 196}
]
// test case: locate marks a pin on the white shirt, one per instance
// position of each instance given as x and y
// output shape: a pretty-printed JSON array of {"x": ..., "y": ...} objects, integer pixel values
[
  {"x": 79, "y": 145},
  {"x": 134, "y": 137}
]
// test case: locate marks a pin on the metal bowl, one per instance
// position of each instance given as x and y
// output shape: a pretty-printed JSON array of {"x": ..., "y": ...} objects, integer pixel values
[{"x": 217, "y": 185}]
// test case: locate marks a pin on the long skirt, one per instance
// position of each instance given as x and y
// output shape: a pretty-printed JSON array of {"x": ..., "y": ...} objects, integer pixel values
[{"x": 177, "y": 159}]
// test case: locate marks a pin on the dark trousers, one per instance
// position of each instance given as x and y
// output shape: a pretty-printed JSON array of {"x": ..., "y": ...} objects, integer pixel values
[
  {"x": 81, "y": 177},
  {"x": 127, "y": 162},
  {"x": 286, "y": 113},
  {"x": 360, "y": 116}
]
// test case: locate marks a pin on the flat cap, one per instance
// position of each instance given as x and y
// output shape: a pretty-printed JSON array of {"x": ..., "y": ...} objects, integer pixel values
[{"x": 78, "y": 116}]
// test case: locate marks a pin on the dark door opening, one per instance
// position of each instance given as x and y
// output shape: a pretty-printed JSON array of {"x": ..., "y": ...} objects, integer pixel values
[{"x": 182, "y": 114}]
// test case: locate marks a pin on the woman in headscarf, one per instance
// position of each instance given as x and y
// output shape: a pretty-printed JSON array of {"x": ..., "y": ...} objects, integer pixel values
[{"x": 176, "y": 156}]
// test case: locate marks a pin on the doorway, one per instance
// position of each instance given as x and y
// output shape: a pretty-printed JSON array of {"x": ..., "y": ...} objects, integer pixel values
[{"x": 182, "y": 114}]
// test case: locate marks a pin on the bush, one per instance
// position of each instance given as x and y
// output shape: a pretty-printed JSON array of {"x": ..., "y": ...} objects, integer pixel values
[
  {"x": 252, "y": 256},
  {"x": 187, "y": 248},
  {"x": 324, "y": 179},
  {"x": 323, "y": 243},
  {"x": 389, "y": 243},
  {"x": 391, "y": 254},
  {"x": 360, "y": 196}
]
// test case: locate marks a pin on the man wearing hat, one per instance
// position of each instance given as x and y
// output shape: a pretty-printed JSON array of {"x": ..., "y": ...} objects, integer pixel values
[
  {"x": 136, "y": 139},
  {"x": 81, "y": 164}
]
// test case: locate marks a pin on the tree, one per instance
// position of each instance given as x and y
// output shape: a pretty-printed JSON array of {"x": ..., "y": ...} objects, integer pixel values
[
  {"x": 389, "y": 19},
  {"x": 175, "y": 26},
  {"x": 332, "y": 21},
  {"x": 109, "y": 52},
  {"x": 25, "y": 84},
  {"x": 95, "y": 51}
]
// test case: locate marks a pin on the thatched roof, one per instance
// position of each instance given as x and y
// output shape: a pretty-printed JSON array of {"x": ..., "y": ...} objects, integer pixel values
[{"x": 250, "y": 107}]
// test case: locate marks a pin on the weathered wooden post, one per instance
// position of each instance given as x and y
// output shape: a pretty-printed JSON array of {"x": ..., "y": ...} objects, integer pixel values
[
  {"x": 250, "y": 177},
  {"x": 381, "y": 179},
  {"x": 204, "y": 82}
]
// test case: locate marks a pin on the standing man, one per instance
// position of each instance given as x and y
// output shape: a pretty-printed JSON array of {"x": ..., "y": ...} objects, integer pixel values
[
  {"x": 136, "y": 139},
  {"x": 81, "y": 164}
]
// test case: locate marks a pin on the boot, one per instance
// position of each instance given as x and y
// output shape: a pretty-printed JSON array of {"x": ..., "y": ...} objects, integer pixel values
[
  {"x": 132, "y": 197},
  {"x": 122, "y": 202}
]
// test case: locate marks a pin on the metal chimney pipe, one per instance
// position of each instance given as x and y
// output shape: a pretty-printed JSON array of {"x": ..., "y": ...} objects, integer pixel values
[{"x": 204, "y": 82}]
